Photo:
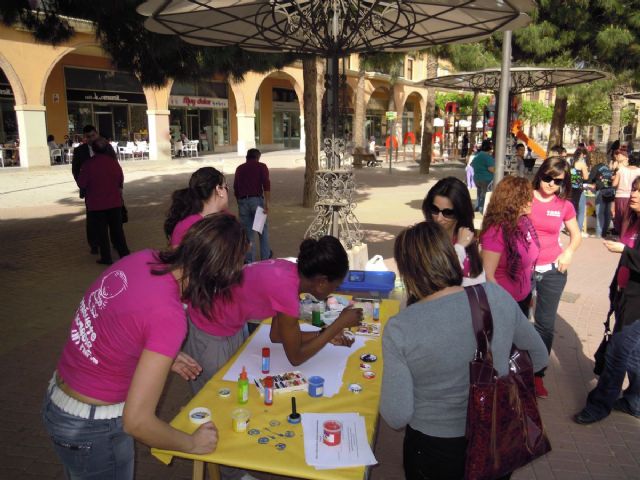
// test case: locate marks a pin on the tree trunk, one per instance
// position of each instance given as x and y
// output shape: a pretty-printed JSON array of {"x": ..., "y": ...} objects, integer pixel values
[
  {"x": 310, "y": 76},
  {"x": 358, "y": 127},
  {"x": 427, "y": 127},
  {"x": 617, "y": 102},
  {"x": 557, "y": 122}
]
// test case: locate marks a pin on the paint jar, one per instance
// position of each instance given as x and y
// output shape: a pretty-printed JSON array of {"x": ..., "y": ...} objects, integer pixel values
[
  {"x": 316, "y": 314},
  {"x": 240, "y": 419},
  {"x": 200, "y": 415},
  {"x": 316, "y": 386},
  {"x": 332, "y": 433}
]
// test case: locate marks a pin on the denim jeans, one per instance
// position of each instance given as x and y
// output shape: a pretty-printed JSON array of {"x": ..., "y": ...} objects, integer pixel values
[
  {"x": 603, "y": 215},
  {"x": 89, "y": 449},
  {"x": 483, "y": 187},
  {"x": 247, "y": 210},
  {"x": 549, "y": 287},
  {"x": 579, "y": 201},
  {"x": 623, "y": 357}
]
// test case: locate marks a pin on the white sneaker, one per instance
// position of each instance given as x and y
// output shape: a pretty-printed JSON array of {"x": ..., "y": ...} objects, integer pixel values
[{"x": 585, "y": 235}]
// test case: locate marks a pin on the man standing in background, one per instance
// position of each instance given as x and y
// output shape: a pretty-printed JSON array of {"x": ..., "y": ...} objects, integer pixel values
[
  {"x": 252, "y": 189},
  {"x": 81, "y": 154},
  {"x": 483, "y": 166}
]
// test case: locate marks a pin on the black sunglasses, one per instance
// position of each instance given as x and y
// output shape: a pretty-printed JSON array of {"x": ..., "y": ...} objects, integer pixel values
[
  {"x": 550, "y": 179},
  {"x": 446, "y": 212}
]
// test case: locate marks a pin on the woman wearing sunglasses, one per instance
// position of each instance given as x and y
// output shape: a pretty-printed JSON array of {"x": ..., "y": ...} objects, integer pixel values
[
  {"x": 550, "y": 211},
  {"x": 206, "y": 194},
  {"x": 510, "y": 244},
  {"x": 448, "y": 203}
]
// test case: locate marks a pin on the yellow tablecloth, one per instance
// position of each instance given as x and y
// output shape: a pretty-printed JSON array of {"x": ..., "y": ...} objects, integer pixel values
[{"x": 242, "y": 450}]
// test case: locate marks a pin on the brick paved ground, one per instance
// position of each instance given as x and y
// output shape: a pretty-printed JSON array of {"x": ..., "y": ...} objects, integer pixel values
[{"x": 45, "y": 267}]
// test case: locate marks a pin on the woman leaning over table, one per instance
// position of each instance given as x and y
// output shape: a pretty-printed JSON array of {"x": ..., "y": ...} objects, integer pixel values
[
  {"x": 448, "y": 203},
  {"x": 127, "y": 330},
  {"x": 427, "y": 348},
  {"x": 550, "y": 212},
  {"x": 623, "y": 353},
  {"x": 510, "y": 244}
]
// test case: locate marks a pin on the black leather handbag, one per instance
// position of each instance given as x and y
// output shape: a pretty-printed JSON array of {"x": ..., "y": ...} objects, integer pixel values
[{"x": 601, "y": 353}]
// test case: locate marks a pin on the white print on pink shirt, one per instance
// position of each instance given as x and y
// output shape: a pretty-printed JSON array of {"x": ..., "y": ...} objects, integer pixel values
[
  {"x": 554, "y": 213},
  {"x": 83, "y": 335}
]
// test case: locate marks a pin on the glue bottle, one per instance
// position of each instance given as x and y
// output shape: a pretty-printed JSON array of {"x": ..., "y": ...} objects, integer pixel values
[
  {"x": 268, "y": 391},
  {"x": 243, "y": 387},
  {"x": 376, "y": 311},
  {"x": 266, "y": 357}
]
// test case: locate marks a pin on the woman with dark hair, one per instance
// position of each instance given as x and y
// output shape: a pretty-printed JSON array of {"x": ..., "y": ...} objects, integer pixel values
[
  {"x": 623, "y": 353},
  {"x": 622, "y": 180},
  {"x": 270, "y": 288},
  {"x": 601, "y": 178},
  {"x": 206, "y": 194},
  {"x": 550, "y": 211},
  {"x": 510, "y": 244},
  {"x": 579, "y": 175},
  {"x": 483, "y": 167},
  {"x": 448, "y": 203},
  {"x": 427, "y": 348},
  {"x": 125, "y": 334},
  {"x": 102, "y": 180}
]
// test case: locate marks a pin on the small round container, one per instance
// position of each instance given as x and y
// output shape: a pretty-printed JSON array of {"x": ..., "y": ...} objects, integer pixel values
[
  {"x": 316, "y": 386},
  {"x": 369, "y": 374},
  {"x": 200, "y": 415},
  {"x": 240, "y": 419},
  {"x": 332, "y": 433}
]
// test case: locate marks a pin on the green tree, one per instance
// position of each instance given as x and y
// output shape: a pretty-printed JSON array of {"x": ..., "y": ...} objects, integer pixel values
[{"x": 536, "y": 113}]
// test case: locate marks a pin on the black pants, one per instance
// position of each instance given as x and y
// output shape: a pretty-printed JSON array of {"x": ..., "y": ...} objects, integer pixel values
[
  {"x": 91, "y": 238},
  {"x": 105, "y": 223},
  {"x": 434, "y": 458},
  {"x": 525, "y": 304}
]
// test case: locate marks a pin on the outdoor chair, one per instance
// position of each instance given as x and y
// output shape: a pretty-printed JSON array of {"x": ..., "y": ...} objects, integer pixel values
[
  {"x": 56, "y": 153},
  {"x": 192, "y": 148},
  {"x": 123, "y": 152}
]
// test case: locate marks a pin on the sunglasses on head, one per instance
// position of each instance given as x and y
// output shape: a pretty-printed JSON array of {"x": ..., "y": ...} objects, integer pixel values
[
  {"x": 446, "y": 212},
  {"x": 550, "y": 179}
]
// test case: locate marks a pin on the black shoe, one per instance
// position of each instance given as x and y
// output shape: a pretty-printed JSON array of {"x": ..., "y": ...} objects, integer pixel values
[
  {"x": 104, "y": 262},
  {"x": 622, "y": 405},
  {"x": 94, "y": 250},
  {"x": 585, "y": 418}
]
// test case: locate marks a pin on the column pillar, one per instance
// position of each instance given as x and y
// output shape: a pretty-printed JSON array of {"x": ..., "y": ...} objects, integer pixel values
[
  {"x": 159, "y": 144},
  {"x": 246, "y": 132},
  {"x": 303, "y": 147},
  {"x": 32, "y": 131}
]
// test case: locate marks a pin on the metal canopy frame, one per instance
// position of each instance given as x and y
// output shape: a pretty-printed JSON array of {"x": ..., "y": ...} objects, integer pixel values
[
  {"x": 632, "y": 96},
  {"x": 523, "y": 79}
]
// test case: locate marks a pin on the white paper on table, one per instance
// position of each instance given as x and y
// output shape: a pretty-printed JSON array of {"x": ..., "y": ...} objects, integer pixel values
[
  {"x": 259, "y": 220},
  {"x": 354, "y": 449},
  {"x": 329, "y": 363}
]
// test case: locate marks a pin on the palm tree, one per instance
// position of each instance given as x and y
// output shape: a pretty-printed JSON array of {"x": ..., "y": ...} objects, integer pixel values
[{"x": 427, "y": 126}]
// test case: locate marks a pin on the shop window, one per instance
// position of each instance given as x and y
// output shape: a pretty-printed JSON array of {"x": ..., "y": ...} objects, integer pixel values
[
  {"x": 284, "y": 95},
  {"x": 201, "y": 89},
  {"x": 409, "y": 69},
  {"x": 101, "y": 80}
]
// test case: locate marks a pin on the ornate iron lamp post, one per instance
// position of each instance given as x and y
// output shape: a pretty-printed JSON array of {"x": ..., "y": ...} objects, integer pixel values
[{"x": 333, "y": 29}]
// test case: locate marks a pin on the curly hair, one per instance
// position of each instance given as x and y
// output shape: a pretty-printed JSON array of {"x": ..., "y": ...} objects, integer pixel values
[{"x": 508, "y": 200}]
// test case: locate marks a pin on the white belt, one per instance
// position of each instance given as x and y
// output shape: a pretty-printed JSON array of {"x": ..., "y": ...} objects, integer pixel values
[
  {"x": 545, "y": 268},
  {"x": 80, "y": 409}
]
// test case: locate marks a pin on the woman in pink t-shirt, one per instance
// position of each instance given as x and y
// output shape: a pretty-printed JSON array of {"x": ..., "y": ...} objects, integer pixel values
[
  {"x": 550, "y": 212},
  {"x": 125, "y": 334},
  {"x": 448, "y": 203},
  {"x": 510, "y": 244},
  {"x": 206, "y": 194}
]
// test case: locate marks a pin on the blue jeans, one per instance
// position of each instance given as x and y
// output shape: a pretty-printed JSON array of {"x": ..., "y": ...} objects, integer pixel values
[
  {"x": 483, "y": 188},
  {"x": 89, "y": 449},
  {"x": 579, "y": 201},
  {"x": 549, "y": 287},
  {"x": 603, "y": 215},
  {"x": 246, "y": 211},
  {"x": 623, "y": 357}
]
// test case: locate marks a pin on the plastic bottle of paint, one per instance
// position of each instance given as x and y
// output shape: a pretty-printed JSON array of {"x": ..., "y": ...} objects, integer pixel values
[
  {"x": 243, "y": 387},
  {"x": 316, "y": 314},
  {"x": 268, "y": 391},
  {"x": 266, "y": 359},
  {"x": 376, "y": 311}
]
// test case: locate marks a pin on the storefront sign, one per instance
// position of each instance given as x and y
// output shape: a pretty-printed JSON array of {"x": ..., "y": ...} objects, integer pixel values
[
  {"x": 5, "y": 91},
  {"x": 105, "y": 97},
  {"x": 198, "y": 102}
]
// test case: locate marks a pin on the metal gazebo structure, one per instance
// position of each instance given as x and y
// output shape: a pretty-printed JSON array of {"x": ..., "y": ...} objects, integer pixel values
[
  {"x": 333, "y": 29},
  {"x": 522, "y": 80}
]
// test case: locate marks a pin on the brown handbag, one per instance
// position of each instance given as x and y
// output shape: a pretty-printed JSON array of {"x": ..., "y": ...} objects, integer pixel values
[{"x": 504, "y": 429}]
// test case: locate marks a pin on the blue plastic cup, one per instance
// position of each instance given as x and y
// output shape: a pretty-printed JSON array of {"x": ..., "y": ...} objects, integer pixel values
[{"x": 316, "y": 386}]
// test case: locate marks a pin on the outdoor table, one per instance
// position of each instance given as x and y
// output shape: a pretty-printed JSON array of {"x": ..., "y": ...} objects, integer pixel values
[{"x": 242, "y": 450}]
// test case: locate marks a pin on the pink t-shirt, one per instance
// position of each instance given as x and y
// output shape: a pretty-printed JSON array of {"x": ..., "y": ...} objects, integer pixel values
[
  {"x": 629, "y": 239},
  {"x": 125, "y": 311},
  {"x": 493, "y": 240},
  {"x": 180, "y": 230},
  {"x": 267, "y": 287},
  {"x": 548, "y": 218}
]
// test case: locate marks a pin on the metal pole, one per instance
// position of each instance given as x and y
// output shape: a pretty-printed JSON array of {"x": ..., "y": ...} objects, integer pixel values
[
  {"x": 503, "y": 106},
  {"x": 393, "y": 128}
]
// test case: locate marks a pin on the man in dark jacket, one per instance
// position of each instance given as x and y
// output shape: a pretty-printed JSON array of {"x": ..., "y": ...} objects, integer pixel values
[{"x": 81, "y": 154}]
